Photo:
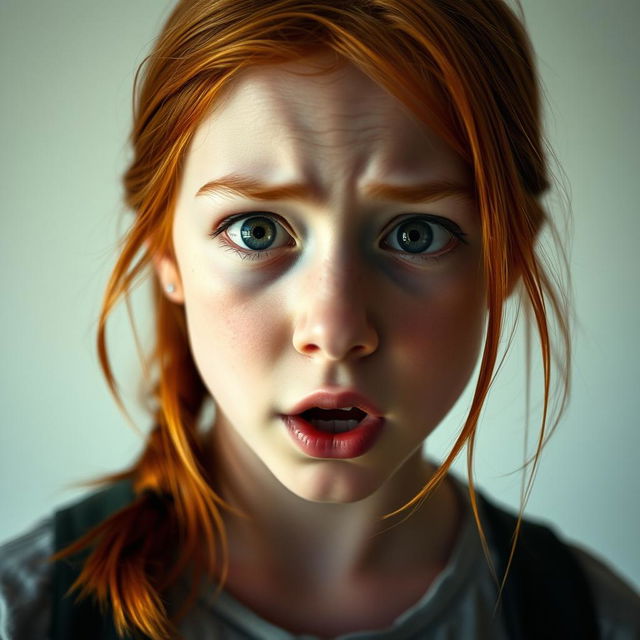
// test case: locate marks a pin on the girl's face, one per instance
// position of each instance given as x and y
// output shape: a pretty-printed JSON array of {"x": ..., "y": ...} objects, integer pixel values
[{"x": 325, "y": 254}]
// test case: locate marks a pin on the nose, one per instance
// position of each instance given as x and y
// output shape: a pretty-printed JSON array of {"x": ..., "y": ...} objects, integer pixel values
[{"x": 333, "y": 318}]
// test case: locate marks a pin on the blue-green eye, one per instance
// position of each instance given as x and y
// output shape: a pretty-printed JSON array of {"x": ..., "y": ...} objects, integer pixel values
[
  {"x": 424, "y": 236},
  {"x": 257, "y": 233},
  {"x": 253, "y": 236}
]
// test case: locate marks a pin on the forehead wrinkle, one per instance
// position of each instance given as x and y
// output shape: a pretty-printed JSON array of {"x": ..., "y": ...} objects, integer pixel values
[
  {"x": 299, "y": 136},
  {"x": 255, "y": 106},
  {"x": 340, "y": 137},
  {"x": 314, "y": 131},
  {"x": 330, "y": 117}
]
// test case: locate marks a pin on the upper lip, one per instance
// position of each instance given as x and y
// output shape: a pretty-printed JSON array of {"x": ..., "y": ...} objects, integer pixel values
[{"x": 326, "y": 399}]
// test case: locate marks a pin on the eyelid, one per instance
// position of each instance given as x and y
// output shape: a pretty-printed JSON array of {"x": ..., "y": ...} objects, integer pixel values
[
  {"x": 446, "y": 223},
  {"x": 236, "y": 217}
]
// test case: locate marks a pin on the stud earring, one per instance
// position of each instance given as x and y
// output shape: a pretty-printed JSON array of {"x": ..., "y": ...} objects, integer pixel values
[{"x": 170, "y": 288}]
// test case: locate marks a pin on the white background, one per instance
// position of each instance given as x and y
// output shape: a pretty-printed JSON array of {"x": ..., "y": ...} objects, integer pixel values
[{"x": 67, "y": 69}]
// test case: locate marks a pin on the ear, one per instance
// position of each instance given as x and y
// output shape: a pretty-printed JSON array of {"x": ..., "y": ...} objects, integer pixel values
[{"x": 169, "y": 276}]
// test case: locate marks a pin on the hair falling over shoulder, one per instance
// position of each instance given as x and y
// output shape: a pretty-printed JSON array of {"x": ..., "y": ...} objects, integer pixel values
[{"x": 465, "y": 68}]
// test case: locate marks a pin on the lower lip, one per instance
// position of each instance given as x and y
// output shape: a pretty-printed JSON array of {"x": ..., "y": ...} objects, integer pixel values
[{"x": 321, "y": 444}]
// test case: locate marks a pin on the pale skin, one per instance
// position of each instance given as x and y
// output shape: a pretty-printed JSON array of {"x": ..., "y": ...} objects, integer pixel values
[{"x": 335, "y": 302}]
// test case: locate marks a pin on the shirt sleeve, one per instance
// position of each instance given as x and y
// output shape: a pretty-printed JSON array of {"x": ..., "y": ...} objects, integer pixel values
[
  {"x": 617, "y": 604},
  {"x": 25, "y": 584}
]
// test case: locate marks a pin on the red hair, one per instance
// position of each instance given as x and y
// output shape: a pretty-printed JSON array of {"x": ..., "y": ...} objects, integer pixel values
[{"x": 465, "y": 68}]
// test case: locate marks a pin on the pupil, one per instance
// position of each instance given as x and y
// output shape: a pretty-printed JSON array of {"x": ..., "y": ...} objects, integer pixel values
[
  {"x": 258, "y": 233},
  {"x": 415, "y": 236}
]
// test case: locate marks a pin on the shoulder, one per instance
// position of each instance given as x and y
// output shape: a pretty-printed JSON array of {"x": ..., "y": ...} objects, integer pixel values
[
  {"x": 28, "y": 581},
  {"x": 617, "y": 604},
  {"x": 569, "y": 577},
  {"x": 25, "y": 580},
  {"x": 80, "y": 516}
]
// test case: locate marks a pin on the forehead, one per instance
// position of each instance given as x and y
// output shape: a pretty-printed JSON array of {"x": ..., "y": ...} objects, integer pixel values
[{"x": 299, "y": 119}]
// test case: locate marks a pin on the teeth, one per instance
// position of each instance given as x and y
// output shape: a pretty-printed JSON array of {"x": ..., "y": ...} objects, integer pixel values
[{"x": 334, "y": 426}]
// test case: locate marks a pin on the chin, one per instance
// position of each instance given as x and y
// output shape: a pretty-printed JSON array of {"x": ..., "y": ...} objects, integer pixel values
[{"x": 332, "y": 482}]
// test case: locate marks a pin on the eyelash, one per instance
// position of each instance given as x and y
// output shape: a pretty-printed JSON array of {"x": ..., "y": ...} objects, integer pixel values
[{"x": 245, "y": 254}]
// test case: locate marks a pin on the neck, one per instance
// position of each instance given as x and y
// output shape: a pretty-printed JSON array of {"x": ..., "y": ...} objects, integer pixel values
[{"x": 295, "y": 541}]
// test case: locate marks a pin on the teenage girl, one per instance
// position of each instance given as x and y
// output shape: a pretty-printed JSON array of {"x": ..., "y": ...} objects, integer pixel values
[{"x": 335, "y": 201}]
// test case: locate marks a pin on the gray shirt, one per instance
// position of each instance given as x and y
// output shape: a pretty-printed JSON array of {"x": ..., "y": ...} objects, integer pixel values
[{"x": 459, "y": 604}]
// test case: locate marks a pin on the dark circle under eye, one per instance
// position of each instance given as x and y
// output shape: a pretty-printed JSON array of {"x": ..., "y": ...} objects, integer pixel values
[
  {"x": 414, "y": 236},
  {"x": 258, "y": 232}
]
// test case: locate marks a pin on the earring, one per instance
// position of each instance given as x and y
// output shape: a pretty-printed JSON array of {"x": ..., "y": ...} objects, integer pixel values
[{"x": 170, "y": 288}]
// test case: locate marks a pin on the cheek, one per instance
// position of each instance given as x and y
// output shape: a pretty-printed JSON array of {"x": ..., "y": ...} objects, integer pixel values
[
  {"x": 447, "y": 314},
  {"x": 234, "y": 334},
  {"x": 439, "y": 339}
]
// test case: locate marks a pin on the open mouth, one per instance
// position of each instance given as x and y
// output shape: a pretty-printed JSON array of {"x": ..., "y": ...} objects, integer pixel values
[
  {"x": 334, "y": 420},
  {"x": 339, "y": 430}
]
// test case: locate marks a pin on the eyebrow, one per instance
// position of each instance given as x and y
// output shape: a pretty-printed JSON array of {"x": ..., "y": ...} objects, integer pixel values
[
  {"x": 255, "y": 190},
  {"x": 252, "y": 189}
]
